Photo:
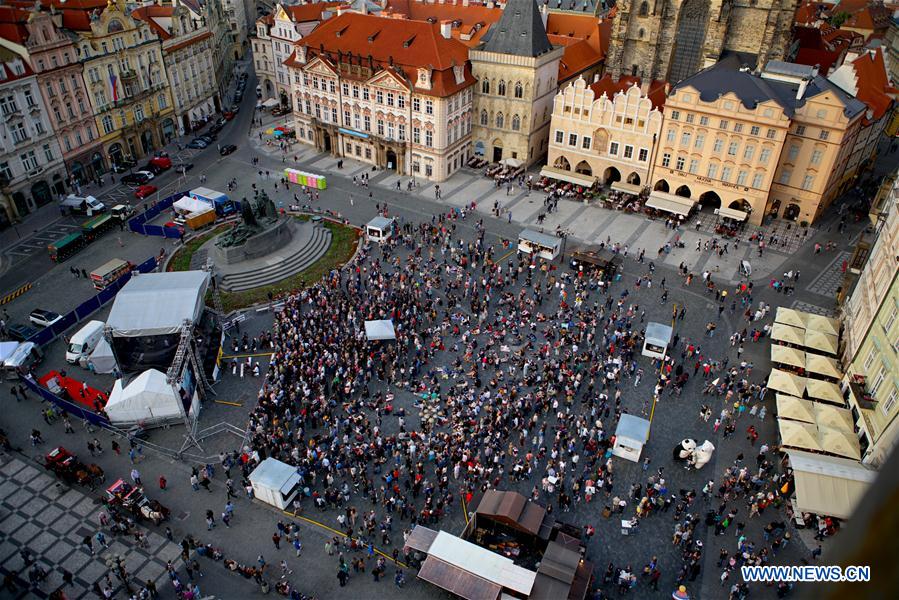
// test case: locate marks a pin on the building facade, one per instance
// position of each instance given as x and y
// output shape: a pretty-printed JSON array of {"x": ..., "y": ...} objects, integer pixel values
[
  {"x": 871, "y": 339},
  {"x": 187, "y": 50},
  {"x": 290, "y": 23},
  {"x": 236, "y": 14},
  {"x": 607, "y": 130},
  {"x": 263, "y": 57},
  {"x": 32, "y": 172},
  {"x": 402, "y": 103},
  {"x": 126, "y": 80},
  {"x": 673, "y": 39},
  {"x": 54, "y": 58},
  {"x": 776, "y": 144},
  {"x": 517, "y": 70}
]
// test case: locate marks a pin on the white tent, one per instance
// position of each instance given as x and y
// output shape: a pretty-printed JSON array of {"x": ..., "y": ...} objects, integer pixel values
[
  {"x": 149, "y": 400},
  {"x": 191, "y": 205},
  {"x": 275, "y": 482},
  {"x": 827, "y": 485},
  {"x": 270, "y": 103},
  {"x": 630, "y": 436},
  {"x": 158, "y": 303},
  {"x": 380, "y": 330},
  {"x": 101, "y": 359}
]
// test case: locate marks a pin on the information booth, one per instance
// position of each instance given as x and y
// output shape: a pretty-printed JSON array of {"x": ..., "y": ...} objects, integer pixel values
[
  {"x": 630, "y": 436},
  {"x": 539, "y": 244},
  {"x": 379, "y": 229},
  {"x": 275, "y": 482},
  {"x": 655, "y": 343}
]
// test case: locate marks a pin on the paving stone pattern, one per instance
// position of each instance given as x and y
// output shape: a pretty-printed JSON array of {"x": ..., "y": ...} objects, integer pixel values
[
  {"x": 811, "y": 308},
  {"x": 830, "y": 278},
  {"x": 44, "y": 515}
]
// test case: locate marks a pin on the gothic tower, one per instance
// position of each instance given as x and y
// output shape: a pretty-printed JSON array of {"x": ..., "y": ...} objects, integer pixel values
[{"x": 672, "y": 39}]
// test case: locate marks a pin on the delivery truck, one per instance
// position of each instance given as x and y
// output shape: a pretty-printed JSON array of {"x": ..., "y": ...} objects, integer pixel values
[{"x": 222, "y": 204}]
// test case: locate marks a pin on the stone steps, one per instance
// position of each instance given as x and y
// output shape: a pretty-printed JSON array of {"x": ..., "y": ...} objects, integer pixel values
[{"x": 316, "y": 248}]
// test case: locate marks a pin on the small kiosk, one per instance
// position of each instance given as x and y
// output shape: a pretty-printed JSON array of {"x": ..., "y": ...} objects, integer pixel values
[
  {"x": 630, "y": 436},
  {"x": 541, "y": 244},
  {"x": 380, "y": 330},
  {"x": 379, "y": 229},
  {"x": 275, "y": 482},
  {"x": 655, "y": 343}
]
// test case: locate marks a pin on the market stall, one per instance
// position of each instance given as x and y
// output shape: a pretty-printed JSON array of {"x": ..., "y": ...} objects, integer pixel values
[
  {"x": 379, "y": 229},
  {"x": 148, "y": 399},
  {"x": 312, "y": 180},
  {"x": 630, "y": 435},
  {"x": 541, "y": 244},
  {"x": 656, "y": 339},
  {"x": 380, "y": 330},
  {"x": 275, "y": 482}
]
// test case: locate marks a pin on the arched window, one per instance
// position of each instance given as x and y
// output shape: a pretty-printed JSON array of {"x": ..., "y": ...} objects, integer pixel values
[
  {"x": 516, "y": 123},
  {"x": 640, "y": 33},
  {"x": 644, "y": 9},
  {"x": 484, "y": 117},
  {"x": 501, "y": 88},
  {"x": 485, "y": 87},
  {"x": 519, "y": 90},
  {"x": 500, "y": 120}
]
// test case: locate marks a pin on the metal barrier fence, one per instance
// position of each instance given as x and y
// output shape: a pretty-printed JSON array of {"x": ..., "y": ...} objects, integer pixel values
[
  {"x": 139, "y": 225},
  {"x": 86, "y": 309}
]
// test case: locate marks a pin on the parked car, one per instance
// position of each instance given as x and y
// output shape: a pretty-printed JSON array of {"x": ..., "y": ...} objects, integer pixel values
[
  {"x": 228, "y": 115},
  {"x": 161, "y": 160},
  {"x": 123, "y": 165},
  {"x": 214, "y": 129},
  {"x": 144, "y": 190},
  {"x": 43, "y": 318},
  {"x": 238, "y": 97},
  {"x": 227, "y": 149},
  {"x": 137, "y": 178},
  {"x": 155, "y": 169},
  {"x": 197, "y": 144},
  {"x": 174, "y": 225},
  {"x": 183, "y": 167},
  {"x": 221, "y": 121},
  {"x": 207, "y": 137},
  {"x": 235, "y": 108},
  {"x": 20, "y": 333}
]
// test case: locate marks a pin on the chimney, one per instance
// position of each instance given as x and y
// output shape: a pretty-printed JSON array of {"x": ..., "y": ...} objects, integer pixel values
[
  {"x": 801, "y": 91},
  {"x": 464, "y": 2},
  {"x": 544, "y": 15},
  {"x": 446, "y": 29}
]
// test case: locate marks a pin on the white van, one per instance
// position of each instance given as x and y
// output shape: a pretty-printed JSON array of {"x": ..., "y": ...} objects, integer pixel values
[
  {"x": 22, "y": 360},
  {"x": 84, "y": 341}
]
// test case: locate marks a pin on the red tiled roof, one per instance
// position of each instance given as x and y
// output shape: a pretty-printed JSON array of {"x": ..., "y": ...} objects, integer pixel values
[
  {"x": 147, "y": 14},
  {"x": 824, "y": 46},
  {"x": 75, "y": 13},
  {"x": 12, "y": 24},
  {"x": 304, "y": 13},
  {"x": 873, "y": 83},
  {"x": 808, "y": 11},
  {"x": 610, "y": 87},
  {"x": 864, "y": 14},
  {"x": 578, "y": 57},
  {"x": 9, "y": 74},
  {"x": 191, "y": 41},
  {"x": 405, "y": 43},
  {"x": 466, "y": 18}
]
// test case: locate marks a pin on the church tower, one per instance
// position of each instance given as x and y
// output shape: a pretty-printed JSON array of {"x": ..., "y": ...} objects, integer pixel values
[{"x": 673, "y": 39}]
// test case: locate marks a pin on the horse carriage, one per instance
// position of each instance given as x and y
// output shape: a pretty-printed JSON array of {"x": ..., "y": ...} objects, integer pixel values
[
  {"x": 67, "y": 467},
  {"x": 122, "y": 495}
]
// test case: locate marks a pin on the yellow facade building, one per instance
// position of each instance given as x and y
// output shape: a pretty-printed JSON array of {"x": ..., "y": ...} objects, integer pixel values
[
  {"x": 871, "y": 337},
  {"x": 126, "y": 82},
  {"x": 753, "y": 145}
]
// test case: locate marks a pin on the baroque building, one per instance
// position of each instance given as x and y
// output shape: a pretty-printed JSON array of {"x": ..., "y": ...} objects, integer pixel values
[
  {"x": 394, "y": 93},
  {"x": 673, "y": 39}
]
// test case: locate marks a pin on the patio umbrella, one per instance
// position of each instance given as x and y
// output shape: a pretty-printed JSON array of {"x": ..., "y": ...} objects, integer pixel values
[
  {"x": 833, "y": 417},
  {"x": 270, "y": 131},
  {"x": 511, "y": 162},
  {"x": 787, "y": 333},
  {"x": 822, "y": 342},
  {"x": 788, "y": 316},
  {"x": 822, "y": 365},
  {"x": 788, "y": 383},
  {"x": 824, "y": 390},
  {"x": 798, "y": 435},
  {"x": 787, "y": 356},
  {"x": 822, "y": 324},
  {"x": 839, "y": 442},
  {"x": 796, "y": 409}
]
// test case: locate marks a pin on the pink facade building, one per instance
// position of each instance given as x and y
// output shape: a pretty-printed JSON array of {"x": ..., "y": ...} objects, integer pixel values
[{"x": 54, "y": 58}]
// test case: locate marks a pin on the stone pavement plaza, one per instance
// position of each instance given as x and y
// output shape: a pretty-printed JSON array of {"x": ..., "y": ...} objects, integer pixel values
[{"x": 40, "y": 513}]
